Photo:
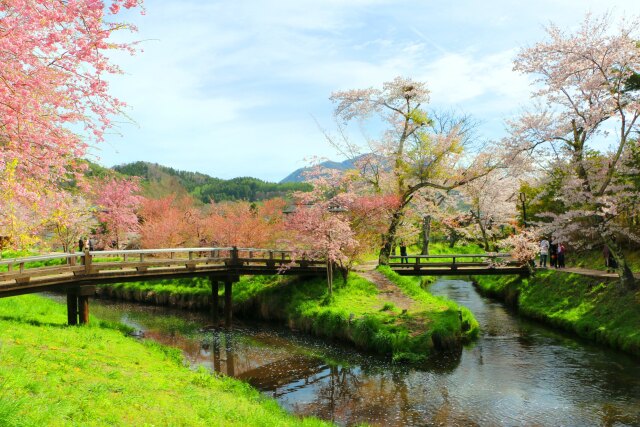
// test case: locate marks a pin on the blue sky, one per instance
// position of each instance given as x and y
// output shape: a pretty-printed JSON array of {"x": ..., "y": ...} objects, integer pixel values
[{"x": 235, "y": 88}]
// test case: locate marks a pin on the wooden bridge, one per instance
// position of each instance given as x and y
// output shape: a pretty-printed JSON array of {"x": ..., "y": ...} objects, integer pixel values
[
  {"x": 78, "y": 273},
  {"x": 457, "y": 265}
]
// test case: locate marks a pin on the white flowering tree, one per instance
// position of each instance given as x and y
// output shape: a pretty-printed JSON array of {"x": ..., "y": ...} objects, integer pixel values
[
  {"x": 414, "y": 153},
  {"x": 584, "y": 95}
]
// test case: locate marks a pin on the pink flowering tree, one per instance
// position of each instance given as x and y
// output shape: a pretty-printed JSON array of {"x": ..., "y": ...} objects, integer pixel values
[
  {"x": 523, "y": 247},
  {"x": 117, "y": 203},
  {"x": 492, "y": 202},
  {"x": 165, "y": 223},
  {"x": 584, "y": 95},
  {"x": 71, "y": 218},
  {"x": 415, "y": 153},
  {"x": 320, "y": 226},
  {"x": 53, "y": 64}
]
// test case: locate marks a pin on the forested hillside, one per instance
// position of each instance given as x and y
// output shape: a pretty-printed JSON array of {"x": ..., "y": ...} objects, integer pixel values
[{"x": 158, "y": 181}]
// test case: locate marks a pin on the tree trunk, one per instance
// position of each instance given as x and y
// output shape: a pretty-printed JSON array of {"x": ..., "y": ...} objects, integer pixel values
[
  {"x": 390, "y": 237},
  {"x": 426, "y": 234},
  {"x": 627, "y": 280},
  {"x": 487, "y": 247}
]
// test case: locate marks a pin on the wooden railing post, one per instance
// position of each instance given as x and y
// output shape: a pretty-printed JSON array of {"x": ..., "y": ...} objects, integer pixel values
[
  {"x": 86, "y": 260},
  {"x": 234, "y": 255},
  {"x": 453, "y": 265}
]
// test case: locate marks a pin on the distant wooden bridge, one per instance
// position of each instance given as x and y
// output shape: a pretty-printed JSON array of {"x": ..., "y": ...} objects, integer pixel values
[
  {"x": 78, "y": 273},
  {"x": 457, "y": 265}
]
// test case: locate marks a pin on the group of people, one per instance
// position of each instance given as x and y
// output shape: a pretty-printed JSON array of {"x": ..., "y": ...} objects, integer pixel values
[
  {"x": 85, "y": 243},
  {"x": 553, "y": 252}
]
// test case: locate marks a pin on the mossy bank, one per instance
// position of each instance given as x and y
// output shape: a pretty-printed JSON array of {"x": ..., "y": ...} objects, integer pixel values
[
  {"x": 55, "y": 375},
  {"x": 592, "y": 308},
  {"x": 357, "y": 312}
]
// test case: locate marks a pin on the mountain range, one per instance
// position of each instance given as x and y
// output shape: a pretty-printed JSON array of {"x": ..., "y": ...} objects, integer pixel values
[{"x": 159, "y": 181}]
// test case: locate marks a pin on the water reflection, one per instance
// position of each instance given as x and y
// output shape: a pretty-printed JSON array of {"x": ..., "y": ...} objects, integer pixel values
[{"x": 517, "y": 373}]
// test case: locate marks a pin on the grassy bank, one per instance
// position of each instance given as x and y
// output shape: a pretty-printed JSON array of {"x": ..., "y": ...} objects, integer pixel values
[
  {"x": 358, "y": 313},
  {"x": 452, "y": 318},
  {"x": 594, "y": 260},
  {"x": 51, "y": 374},
  {"x": 590, "y": 307}
]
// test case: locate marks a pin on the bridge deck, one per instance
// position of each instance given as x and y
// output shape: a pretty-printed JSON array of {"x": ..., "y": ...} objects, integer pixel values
[
  {"x": 27, "y": 275},
  {"x": 456, "y": 265}
]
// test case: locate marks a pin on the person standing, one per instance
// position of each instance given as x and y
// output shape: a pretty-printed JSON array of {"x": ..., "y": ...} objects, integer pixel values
[
  {"x": 553, "y": 255},
  {"x": 544, "y": 252},
  {"x": 80, "y": 244},
  {"x": 403, "y": 253},
  {"x": 561, "y": 252},
  {"x": 612, "y": 263},
  {"x": 606, "y": 255}
]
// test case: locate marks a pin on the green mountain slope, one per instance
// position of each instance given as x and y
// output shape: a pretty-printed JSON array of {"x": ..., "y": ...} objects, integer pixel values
[{"x": 159, "y": 181}]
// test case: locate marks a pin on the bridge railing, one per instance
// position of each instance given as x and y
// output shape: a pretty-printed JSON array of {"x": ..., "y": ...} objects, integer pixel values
[
  {"x": 452, "y": 261},
  {"x": 21, "y": 270}
]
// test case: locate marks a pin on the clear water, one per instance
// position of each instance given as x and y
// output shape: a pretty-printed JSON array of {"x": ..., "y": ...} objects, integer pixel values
[{"x": 517, "y": 373}]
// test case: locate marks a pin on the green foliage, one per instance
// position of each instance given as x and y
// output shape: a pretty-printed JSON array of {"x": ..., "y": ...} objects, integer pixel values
[
  {"x": 594, "y": 260},
  {"x": 446, "y": 317},
  {"x": 591, "y": 307},
  {"x": 52, "y": 374},
  {"x": 358, "y": 313},
  {"x": 207, "y": 188}
]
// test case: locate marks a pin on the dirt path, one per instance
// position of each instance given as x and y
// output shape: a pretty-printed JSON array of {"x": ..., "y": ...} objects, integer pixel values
[{"x": 388, "y": 290}]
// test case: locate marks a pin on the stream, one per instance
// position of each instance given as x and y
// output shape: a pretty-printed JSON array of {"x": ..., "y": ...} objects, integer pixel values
[{"x": 517, "y": 373}]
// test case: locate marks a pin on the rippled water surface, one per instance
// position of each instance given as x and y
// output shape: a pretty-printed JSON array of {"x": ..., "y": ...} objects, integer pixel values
[{"x": 517, "y": 373}]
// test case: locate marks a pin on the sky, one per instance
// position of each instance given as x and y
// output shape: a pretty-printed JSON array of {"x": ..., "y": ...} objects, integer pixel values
[{"x": 242, "y": 88}]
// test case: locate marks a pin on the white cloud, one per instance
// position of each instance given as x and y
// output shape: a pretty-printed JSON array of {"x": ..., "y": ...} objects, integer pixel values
[{"x": 230, "y": 88}]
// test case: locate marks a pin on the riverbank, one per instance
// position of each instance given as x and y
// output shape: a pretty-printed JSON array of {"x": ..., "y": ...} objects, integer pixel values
[
  {"x": 359, "y": 313},
  {"x": 52, "y": 374},
  {"x": 593, "y": 308}
]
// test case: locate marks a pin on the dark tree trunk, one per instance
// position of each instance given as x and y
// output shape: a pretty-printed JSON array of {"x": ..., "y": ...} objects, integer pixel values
[
  {"x": 627, "y": 280},
  {"x": 390, "y": 237},
  {"x": 426, "y": 234}
]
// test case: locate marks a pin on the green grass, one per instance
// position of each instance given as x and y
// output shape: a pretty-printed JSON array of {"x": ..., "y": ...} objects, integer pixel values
[
  {"x": 594, "y": 260},
  {"x": 358, "y": 313},
  {"x": 592, "y": 308},
  {"x": 444, "y": 315},
  {"x": 55, "y": 375}
]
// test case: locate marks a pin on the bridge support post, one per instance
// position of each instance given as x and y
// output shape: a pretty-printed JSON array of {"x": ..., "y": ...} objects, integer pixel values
[
  {"x": 215, "y": 305},
  {"x": 78, "y": 304},
  {"x": 228, "y": 286},
  {"x": 83, "y": 309},
  {"x": 72, "y": 308}
]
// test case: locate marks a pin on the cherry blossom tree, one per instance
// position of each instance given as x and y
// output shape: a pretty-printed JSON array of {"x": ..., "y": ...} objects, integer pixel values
[
  {"x": 117, "y": 204},
  {"x": 164, "y": 223},
  {"x": 71, "y": 219},
  {"x": 583, "y": 96},
  {"x": 415, "y": 153},
  {"x": 53, "y": 63},
  {"x": 492, "y": 201},
  {"x": 320, "y": 226},
  {"x": 245, "y": 224}
]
